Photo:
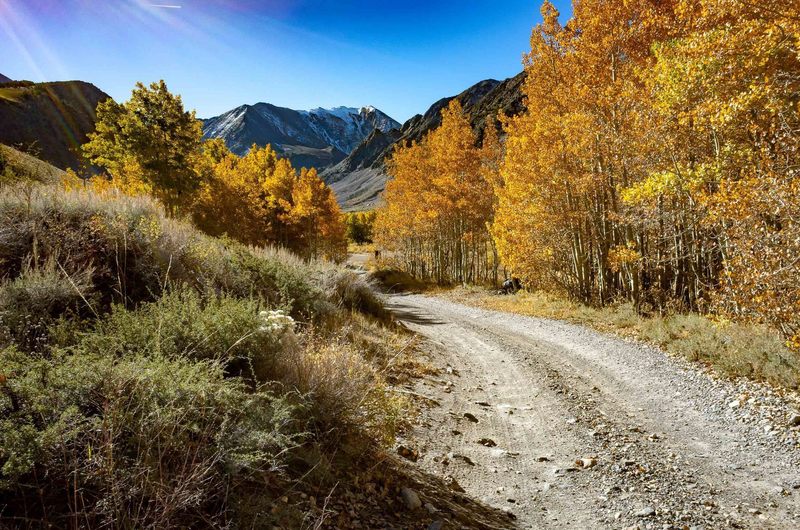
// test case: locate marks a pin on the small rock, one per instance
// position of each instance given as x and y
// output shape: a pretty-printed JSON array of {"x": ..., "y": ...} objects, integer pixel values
[
  {"x": 482, "y": 403},
  {"x": 463, "y": 458},
  {"x": 430, "y": 508},
  {"x": 407, "y": 453},
  {"x": 586, "y": 463},
  {"x": 542, "y": 459},
  {"x": 453, "y": 484},
  {"x": 471, "y": 417},
  {"x": 410, "y": 498},
  {"x": 794, "y": 420},
  {"x": 647, "y": 511},
  {"x": 487, "y": 442},
  {"x": 436, "y": 525},
  {"x": 734, "y": 404}
]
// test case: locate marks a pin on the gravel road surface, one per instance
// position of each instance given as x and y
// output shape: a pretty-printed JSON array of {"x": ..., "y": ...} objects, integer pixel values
[{"x": 568, "y": 428}]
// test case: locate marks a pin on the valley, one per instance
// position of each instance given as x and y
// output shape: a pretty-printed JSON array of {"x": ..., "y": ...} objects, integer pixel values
[{"x": 308, "y": 265}]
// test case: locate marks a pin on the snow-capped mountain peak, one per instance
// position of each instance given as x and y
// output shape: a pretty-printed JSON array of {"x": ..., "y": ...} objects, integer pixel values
[{"x": 336, "y": 131}]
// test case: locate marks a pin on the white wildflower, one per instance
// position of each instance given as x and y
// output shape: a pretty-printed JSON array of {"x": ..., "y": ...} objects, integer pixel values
[{"x": 276, "y": 322}]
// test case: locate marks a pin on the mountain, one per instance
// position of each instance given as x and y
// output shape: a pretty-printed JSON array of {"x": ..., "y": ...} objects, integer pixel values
[
  {"x": 318, "y": 137},
  {"x": 49, "y": 120},
  {"x": 4, "y": 79},
  {"x": 360, "y": 178}
]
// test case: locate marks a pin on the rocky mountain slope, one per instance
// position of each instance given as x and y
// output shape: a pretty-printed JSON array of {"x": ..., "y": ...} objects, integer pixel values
[
  {"x": 4, "y": 79},
  {"x": 49, "y": 120},
  {"x": 318, "y": 137},
  {"x": 359, "y": 179}
]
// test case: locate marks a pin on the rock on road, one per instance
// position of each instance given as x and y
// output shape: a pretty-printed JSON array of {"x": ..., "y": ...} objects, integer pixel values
[{"x": 569, "y": 428}]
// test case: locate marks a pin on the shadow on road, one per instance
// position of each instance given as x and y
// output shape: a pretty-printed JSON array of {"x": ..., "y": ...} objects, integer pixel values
[{"x": 411, "y": 315}]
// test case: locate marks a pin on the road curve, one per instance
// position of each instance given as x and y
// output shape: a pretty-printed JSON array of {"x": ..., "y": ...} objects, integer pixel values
[{"x": 657, "y": 442}]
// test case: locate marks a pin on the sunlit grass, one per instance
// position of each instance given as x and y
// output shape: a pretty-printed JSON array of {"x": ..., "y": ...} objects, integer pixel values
[{"x": 13, "y": 95}]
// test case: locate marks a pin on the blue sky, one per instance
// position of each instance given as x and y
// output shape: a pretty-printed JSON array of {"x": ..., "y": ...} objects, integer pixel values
[{"x": 399, "y": 56}]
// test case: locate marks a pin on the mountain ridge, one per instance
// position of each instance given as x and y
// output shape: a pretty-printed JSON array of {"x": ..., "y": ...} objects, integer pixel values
[
  {"x": 317, "y": 137},
  {"x": 50, "y": 120},
  {"x": 360, "y": 178}
]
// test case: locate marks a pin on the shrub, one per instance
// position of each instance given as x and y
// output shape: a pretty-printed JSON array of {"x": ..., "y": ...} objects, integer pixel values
[
  {"x": 352, "y": 291},
  {"x": 135, "y": 442},
  {"x": 134, "y": 392},
  {"x": 134, "y": 251},
  {"x": 394, "y": 281},
  {"x": 31, "y": 303},
  {"x": 182, "y": 325},
  {"x": 344, "y": 395}
]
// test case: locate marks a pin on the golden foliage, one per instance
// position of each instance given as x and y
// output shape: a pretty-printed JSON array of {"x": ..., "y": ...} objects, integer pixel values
[
  {"x": 439, "y": 204},
  {"x": 151, "y": 146},
  {"x": 658, "y": 159}
]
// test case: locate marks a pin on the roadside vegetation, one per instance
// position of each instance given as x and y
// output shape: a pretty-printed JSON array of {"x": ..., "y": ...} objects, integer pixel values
[
  {"x": 655, "y": 169},
  {"x": 169, "y": 362},
  {"x": 151, "y": 375}
]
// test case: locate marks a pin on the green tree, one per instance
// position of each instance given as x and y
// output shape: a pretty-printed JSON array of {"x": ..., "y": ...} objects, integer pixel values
[
  {"x": 149, "y": 140},
  {"x": 360, "y": 227}
]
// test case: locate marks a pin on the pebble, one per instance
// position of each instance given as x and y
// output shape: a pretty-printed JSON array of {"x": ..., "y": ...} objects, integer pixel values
[
  {"x": 410, "y": 498},
  {"x": 647, "y": 511},
  {"x": 471, "y": 417},
  {"x": 407, "y": 453}
]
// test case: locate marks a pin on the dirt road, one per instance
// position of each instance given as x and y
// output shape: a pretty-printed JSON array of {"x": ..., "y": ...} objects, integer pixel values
[{"x": 658, "y": 443}]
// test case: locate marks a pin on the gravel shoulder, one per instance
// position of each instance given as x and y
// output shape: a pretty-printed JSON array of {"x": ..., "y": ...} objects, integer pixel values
[{"x": 566, "y": 427}]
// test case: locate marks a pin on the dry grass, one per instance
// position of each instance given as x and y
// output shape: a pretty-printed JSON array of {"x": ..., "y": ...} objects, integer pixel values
[
  {"x": 365, "y": 248},
  {"x": 733, "y": 349},
  {"x": 397, "y": 281},
  {"x": 15, "y": 164},
  {"x": 107, "y": 306}
]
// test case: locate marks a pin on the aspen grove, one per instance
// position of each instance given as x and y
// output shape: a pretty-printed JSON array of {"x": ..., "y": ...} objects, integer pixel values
[{"x": 656, "y": 163}]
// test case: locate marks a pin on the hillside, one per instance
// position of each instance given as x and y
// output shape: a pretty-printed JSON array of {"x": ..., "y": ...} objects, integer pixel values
[
  {"x": 50, "y": 120},
  {"x": 13, "y": 161},
  {"x": 318, "y": 137},
  {"x": 4, "y": 79},
  {"x": 359, "y": 179}
]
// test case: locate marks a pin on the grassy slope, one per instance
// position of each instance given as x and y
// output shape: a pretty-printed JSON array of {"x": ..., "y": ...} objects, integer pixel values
[
  {"x": 121, "y": 328},
  {"x": 28, "y": 167}
]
